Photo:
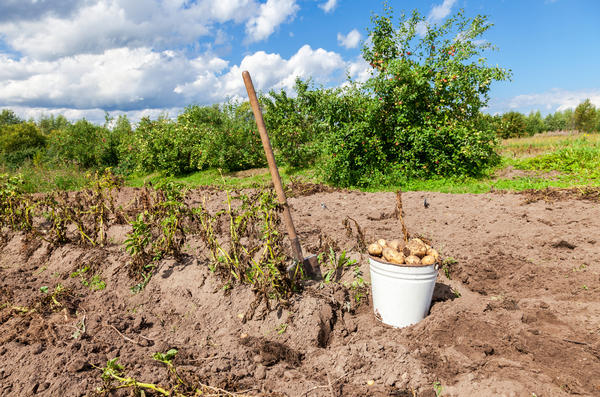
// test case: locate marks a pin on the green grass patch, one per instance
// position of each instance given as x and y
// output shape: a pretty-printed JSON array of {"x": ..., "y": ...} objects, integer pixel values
[
  {"x": 41, "y": 178},
  {"x": 579, "y": 157},
  {"x": 543, "y": 144},
  {"x": 253, "y": 178}
]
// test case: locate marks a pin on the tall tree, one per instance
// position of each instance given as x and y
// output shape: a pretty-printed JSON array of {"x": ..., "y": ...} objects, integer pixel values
[{"x": 585, "y": 116}]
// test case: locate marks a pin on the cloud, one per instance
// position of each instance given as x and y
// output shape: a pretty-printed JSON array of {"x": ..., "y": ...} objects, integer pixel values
[
  {"x": 271, "y": 71},
  {"x": 350, "y": 40},
  {"x": 440, "y": 11},
  {"x": 121, "y": 78},
  {"x": 94, "y": 115},
  {"x": 328, "y": 6},
  {"x": 93, "y": 26},
  {"x": 13, "y": 10},
  {"x": 104, "y": 25},
  {"x": 272, "y": 14},
  {"x": 555, "y": 99},
  {"x": 141, "y": 78},
  {"x": 359, "y": 70}
]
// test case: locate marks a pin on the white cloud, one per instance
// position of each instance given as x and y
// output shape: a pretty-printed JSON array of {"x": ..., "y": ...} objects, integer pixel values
[
  {"x": 272, "y": 14},
  {"x": 106, "y": 24},
  {"x": 555, "y": 99},
  {"x": 97, "y": 25},
  {"x": 329, "y": 5},
  {"x": 350, "y": 40},
  {"x": 117, "y": 78},
  {"x": 94, "y": 115},
  {"x": 359, "y": 70},
  {"x": 225, "y": 10},
  {"x": 441, "y": 11},
  {"x": 270, "y": 71},
  {"x": 133, "y": 79}
]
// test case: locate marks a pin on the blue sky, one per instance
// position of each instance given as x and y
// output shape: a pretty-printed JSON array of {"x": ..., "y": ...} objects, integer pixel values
[{"x": 146, "y": 57}]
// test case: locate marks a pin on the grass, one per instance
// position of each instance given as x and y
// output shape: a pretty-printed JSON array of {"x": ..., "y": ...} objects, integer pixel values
[
  {"x": 239, "y": 180},
  {"x": 542, "y": 144},
  {"x": 44, "y": 178}
]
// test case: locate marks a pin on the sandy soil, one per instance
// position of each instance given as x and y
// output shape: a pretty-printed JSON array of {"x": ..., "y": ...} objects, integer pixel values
[{"x": 517, "y": 314}]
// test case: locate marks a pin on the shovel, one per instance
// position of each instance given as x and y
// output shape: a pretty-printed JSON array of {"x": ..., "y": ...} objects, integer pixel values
[{"x": 310, "y": 263}]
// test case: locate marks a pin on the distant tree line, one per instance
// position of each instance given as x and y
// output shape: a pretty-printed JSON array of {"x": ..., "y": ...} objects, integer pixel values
[{"x": 585, "y": 118}]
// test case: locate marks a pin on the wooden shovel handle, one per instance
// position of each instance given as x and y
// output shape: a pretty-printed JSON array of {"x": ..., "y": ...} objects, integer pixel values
[{"x": 264, "y": 137}]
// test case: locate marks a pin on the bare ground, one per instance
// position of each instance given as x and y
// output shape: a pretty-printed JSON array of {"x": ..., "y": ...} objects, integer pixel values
[{"x": 519, "y": 313}]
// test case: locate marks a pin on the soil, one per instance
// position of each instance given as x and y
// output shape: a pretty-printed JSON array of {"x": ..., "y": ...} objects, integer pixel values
[{"x": 516, "y": 310}]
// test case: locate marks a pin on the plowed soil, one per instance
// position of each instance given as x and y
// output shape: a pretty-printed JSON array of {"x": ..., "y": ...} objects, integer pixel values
[{"x": 516, "y": 311}]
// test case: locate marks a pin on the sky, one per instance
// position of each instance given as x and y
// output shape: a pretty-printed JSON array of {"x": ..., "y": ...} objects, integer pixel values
[{"x": 82, "y": 58}]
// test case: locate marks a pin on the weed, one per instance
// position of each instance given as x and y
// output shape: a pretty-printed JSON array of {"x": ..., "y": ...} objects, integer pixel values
[
  {"x": 80, "y": 328},
  {"x": 114, "y": 372},
  {"x": 41, "y": 270},
  {"x": 95, "y": 283},
  {"x": 447, "y": 264},
  {"x": 281, "y": 328},
  {"x": 437, "y": 387},
  {"x": 335, "y": 265},
  {"x": 581, "y": 267},
  {"x": 358, "y": 286},
  {"x": 335, "y": 269}
]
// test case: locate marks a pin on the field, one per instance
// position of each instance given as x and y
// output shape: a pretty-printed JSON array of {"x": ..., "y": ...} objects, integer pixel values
[{"x": 516, "y": 308}]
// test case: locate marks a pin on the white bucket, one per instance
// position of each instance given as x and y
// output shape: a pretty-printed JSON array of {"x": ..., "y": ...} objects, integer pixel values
[{"x": 401, "y": 294}]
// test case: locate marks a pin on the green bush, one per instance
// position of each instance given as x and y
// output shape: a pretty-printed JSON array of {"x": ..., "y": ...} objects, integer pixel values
[
  {"x": 228, "y": 138},
  {"x": 160, "y": 146},
  {"x": 84, "y": 144},
  {"x": 513, "y": 125},
  {"x": 419, "y": 113},
  {"x": 584, "y": 116},
  {"x": 8, "y": 117},
  {"x": 19, "y": 142},
  {"x": 295, "y": 123}
]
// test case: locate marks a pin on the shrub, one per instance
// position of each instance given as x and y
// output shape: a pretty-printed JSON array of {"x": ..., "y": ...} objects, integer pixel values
[
  {"x": 513, "y": 125},
  {"x": 19, "y": 142},
  {"x": 83, "y": 144},
  {"x": 160, "y": 145},
  {"x": 585, "y": 116},
  {"x": 293, "y": 123},
  {"x": 419, "y": 113},
  {"x": 8, "y": 117},
  {"x": 228, "y": 138}
]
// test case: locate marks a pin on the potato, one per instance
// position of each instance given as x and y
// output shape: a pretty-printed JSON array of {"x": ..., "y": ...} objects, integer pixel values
[
  {"x": 415, "y": 247},
  {"x": 375, "y": 249},
  {"x": 382, "y": 242},
  {"x": 388, "y": 253},
  {"x": 395, "y": 257},
  {"x": 396, "y": 244},
  {"x": 434, "y": 253},
  {"x": 428, "y": 260},
  {"x": 412, "y": 260}
]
